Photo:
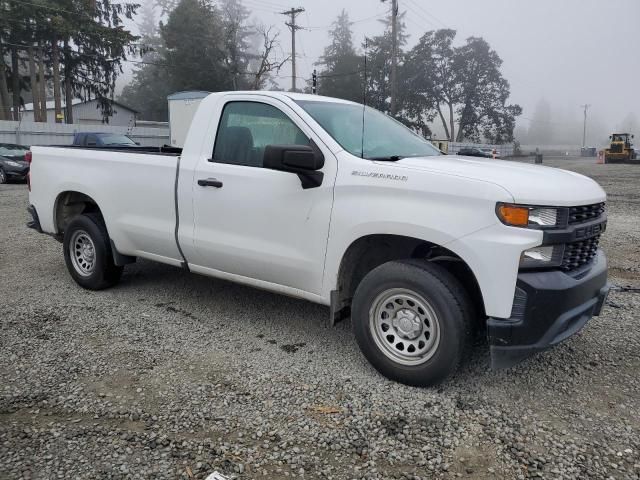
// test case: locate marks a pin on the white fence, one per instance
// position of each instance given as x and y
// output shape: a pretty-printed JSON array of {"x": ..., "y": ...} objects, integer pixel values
[
  {"x": 30, "y": 133},
  {"x": 505, "y": 150}
]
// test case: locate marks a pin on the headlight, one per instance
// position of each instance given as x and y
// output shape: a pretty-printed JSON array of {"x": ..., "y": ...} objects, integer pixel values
[
  {"x": 528, "y": 216},
  {"x": 542, "y": 257},
  {"x": 12, "y": 163}
]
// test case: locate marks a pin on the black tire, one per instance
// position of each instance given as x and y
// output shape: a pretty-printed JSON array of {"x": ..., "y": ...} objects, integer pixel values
[
  {"x": 103, "y": 272},
  {"x": 3, "y": 177},
  {"x": 446, "y": 298}
]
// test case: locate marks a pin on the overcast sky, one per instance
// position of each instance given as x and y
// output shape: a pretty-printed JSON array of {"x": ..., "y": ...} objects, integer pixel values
[{"x": 569, "y": 52}]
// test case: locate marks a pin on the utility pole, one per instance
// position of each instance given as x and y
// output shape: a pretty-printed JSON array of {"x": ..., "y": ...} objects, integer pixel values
[
  {"x": 394, "y": 54},
  {"x": 293, "y": 27},
  {"x": 584, "y": 127}
]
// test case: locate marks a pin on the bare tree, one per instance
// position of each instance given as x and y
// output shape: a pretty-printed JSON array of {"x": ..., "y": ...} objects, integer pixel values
[{"x": 267, "y": 60}]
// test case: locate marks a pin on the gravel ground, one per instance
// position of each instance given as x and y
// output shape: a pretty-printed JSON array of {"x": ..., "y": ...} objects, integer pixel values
[{"x": 173, "y": 375}]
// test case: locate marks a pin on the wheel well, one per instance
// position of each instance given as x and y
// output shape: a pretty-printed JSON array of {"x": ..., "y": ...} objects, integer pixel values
[
  {"x": 371, "y": 251},
  {"x": 68, "y": 205}
]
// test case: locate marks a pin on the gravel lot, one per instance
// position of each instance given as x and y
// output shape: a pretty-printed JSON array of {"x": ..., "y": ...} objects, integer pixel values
[{"x": 173, "y": 375}]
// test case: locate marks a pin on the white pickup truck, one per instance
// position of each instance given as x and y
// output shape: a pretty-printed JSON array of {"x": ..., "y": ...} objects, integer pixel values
[{"x": 322, "y": 199}]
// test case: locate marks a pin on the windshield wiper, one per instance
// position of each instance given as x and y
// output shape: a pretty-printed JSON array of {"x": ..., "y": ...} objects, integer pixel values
[{"x": 390, "y": 158}]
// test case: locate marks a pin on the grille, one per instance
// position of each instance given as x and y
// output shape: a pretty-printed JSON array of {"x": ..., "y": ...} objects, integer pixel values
[
  {"x": 616, "y": 148},
  {"x": 577, "y": 254},
  {"x": 585, "y": 213}
]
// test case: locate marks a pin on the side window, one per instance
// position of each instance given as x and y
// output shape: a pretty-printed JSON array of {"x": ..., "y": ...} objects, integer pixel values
[{"x": 246, "y": 128}]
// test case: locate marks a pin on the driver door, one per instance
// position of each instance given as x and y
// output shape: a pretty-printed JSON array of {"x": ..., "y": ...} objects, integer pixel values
[{"x": 256, "y": 222}]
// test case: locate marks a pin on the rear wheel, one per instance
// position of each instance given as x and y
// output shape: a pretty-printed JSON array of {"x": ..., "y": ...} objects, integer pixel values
[
  {"x": 412, "y": 321},
  {"x": 3, "y": 176},
  {"x": 87, "y": 253}
]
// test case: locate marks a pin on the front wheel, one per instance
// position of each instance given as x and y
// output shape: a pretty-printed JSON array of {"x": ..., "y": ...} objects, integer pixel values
[
  {"x": 87, "y": 253},
  {"x": 3, "y": 176},
  {"x": 412, "y": 321}
]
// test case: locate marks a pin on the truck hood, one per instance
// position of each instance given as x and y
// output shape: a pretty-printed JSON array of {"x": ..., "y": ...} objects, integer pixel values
[{"x": 527, "y": 183}]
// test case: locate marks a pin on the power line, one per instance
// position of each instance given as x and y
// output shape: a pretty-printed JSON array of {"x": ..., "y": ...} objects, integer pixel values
[
  {"x": 261, "y": 6},
  {"x": 421, "y": 8},
  {"x": 420, "y": 16},
  {"x": 413, "y": 22},
  {"x": 366, "y": 19}
]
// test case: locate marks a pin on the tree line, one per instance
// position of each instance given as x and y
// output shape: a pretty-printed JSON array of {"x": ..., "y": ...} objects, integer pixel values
[
  {"x": 460, "y": 87},
  {"x": 61, "y": 49},
  {"x": 201, "y": 45},
  {"x": 76, "y": 48}
]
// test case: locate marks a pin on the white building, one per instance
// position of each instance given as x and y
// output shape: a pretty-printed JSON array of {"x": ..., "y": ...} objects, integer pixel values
[{"x": 87, "y": 113}]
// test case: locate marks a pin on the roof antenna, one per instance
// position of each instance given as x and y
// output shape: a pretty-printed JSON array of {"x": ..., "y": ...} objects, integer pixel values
[{"x": 364, "y": 92}]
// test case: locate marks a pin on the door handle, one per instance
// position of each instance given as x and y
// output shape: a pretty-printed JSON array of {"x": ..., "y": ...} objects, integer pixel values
[{"x": 210, "y": 182}]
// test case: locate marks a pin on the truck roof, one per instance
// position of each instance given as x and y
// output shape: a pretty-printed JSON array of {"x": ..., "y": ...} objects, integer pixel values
[{"x": 288, "y": 95}]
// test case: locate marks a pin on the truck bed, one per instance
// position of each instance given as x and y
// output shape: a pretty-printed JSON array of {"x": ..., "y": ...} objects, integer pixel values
[{"x": 135, "y": 188}]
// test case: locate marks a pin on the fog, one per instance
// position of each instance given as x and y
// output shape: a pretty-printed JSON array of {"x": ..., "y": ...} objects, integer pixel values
[{"x": 564, "y": 52}]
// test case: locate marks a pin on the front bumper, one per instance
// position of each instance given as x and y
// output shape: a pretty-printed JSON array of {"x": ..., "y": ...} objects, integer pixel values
[{"x": 548, "y": 308}]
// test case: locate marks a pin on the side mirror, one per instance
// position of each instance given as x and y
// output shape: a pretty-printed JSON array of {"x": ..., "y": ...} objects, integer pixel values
[
  {"x": 137, "y": 143},
  {"x": 304, "y": 160}
]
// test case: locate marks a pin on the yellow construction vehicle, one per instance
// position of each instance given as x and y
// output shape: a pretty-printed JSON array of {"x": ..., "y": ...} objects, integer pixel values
[{"x": 621, "y": 148}]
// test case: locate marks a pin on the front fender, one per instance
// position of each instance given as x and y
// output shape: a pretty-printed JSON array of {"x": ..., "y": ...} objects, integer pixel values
[
  {"x": 451, "y": 211},
  {"x": 493, "y": 255}
]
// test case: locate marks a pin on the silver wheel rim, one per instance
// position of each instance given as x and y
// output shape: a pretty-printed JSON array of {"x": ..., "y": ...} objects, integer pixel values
[
  {"x": 3, "y": 176},
  {"x": 82, "y": 252},
  {"x": 404, "y": 326}
]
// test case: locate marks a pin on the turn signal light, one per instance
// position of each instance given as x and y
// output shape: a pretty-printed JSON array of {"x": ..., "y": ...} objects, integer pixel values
[{"x": 513, "y": 215}]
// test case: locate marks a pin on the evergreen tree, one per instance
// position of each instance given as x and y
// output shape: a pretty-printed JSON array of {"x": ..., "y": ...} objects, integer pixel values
[
  {"x": 202, "y": 47},
  {"x": 341, "y": 75},
  {"x": 84, "y": 43},
  {"x": 378, "y": 51},
  {"x": 236, "y": 42},
  {"x": 195, "y": 50},
  {"x": 147, "y": 92},
  {"x": 148, "y": 26}
]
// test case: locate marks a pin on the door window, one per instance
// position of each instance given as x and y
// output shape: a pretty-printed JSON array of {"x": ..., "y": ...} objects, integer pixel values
[{"x": 246, "y": 128}]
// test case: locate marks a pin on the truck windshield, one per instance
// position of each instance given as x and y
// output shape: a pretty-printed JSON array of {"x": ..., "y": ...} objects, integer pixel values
[{"x": 384, "y": 137}]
